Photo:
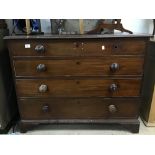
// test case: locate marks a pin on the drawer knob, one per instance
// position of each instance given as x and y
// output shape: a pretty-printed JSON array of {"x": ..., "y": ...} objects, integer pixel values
[
  {"x": 41, "y": 68},
  {"x": 39, "y": 48},
  {"x": 113, "y": 87},
  {"x": 43, "y": 88},
  {"x": 112, "y": 108},
  {"x": 45, "y": 108},
  {"x": 114, "y": 67}
]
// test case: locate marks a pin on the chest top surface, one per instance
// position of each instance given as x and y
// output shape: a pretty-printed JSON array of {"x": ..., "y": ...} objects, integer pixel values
[{"x": 49, "y": 36}]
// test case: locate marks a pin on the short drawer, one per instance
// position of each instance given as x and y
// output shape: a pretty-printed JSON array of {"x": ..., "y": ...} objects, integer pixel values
[
  {"x": 78, "y": 87},
  {"x": 77, "y": 47},
  {"x": 79, "y": 67},
  {"x": 82, "y": 108}
]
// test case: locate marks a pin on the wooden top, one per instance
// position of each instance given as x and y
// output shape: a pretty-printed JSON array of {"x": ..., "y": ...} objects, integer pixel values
[{"x": 49, "y": 36}]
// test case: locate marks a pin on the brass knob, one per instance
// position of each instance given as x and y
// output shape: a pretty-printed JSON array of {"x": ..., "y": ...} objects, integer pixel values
[
  {"x": 112, "y": 108},
  {"x": 113, "y": 87},
  {"x": 39, "y": 48},
  {"x": 41, "y": 68},
  {"x": 114, "y": 67},
  {"x": 43, "y": 88},
  {"x": 45, "y": 108}
]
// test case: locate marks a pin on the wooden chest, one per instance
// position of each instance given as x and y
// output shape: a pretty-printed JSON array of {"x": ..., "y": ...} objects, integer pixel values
[{"x": 78, "y": 78}]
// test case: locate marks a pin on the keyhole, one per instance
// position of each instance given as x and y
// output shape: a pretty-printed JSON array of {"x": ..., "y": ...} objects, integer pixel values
[{"x": 115, "y": 46}]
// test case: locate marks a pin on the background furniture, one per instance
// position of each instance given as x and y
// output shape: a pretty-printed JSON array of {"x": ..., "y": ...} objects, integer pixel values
[
  {"x": 26, "y": 26},
  {"x": 75, "y": 26},
  {"x": 93, "y": 79},
  {"x": 115, "y": 25},
  {"x": 148, "y": 107},
  {"x": 8, "y": 106}
]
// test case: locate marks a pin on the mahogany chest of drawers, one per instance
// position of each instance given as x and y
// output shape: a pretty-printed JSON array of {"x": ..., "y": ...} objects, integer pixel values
[{"x": 93, "y": 79}]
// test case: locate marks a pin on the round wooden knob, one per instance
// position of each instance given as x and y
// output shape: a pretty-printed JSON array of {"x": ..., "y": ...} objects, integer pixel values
[
  {"x": 114, "y": 67},
  {"x": 113, "y": 87},
  {"x": 39, "y": 48},
  {"x": 43, "y": 88},
  {"x": 112, "y": 108},
  {"x": 45, "y": 108},
  {"x": 41, "y": 68}
]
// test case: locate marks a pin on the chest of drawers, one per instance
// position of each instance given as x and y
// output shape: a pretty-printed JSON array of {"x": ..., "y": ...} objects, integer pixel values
[{"x": 78, "y": 78}]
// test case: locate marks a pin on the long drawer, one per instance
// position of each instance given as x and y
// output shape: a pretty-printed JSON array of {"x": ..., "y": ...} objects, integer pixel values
[
  {"x": 77, "y": 47},
  {"x": 94, "y": 108},
  {"x": 79, "y": 67},
  {"x": 78, "y": 87}
]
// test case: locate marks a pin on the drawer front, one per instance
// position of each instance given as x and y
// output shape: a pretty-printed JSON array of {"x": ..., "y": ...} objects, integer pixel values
[
  {"x": 77, "y": 47},
  {"x": 79, "y": 67},
  {"x": 85, "y": 108},
  {"x": 78, "y": 87}
]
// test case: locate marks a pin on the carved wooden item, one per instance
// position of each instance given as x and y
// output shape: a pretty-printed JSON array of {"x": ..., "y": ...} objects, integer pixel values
[{"x": 115, "y": 25}]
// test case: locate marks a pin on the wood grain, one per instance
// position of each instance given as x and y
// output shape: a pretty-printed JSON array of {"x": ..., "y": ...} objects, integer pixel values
[
  {"x": 78, "y": 87},
  {"x": 79, "y": 67},
  {"x": 82, "y": 108},
  {"x": 79, "y": 47}
]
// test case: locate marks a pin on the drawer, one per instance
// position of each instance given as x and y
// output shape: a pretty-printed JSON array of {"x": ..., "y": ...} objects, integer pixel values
[
  {"x": 79, "y": 67},
  {"x": 78, "y": 87},
  {"x": 82, "y": 108},
  {"x": 77, "y": 47}
]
